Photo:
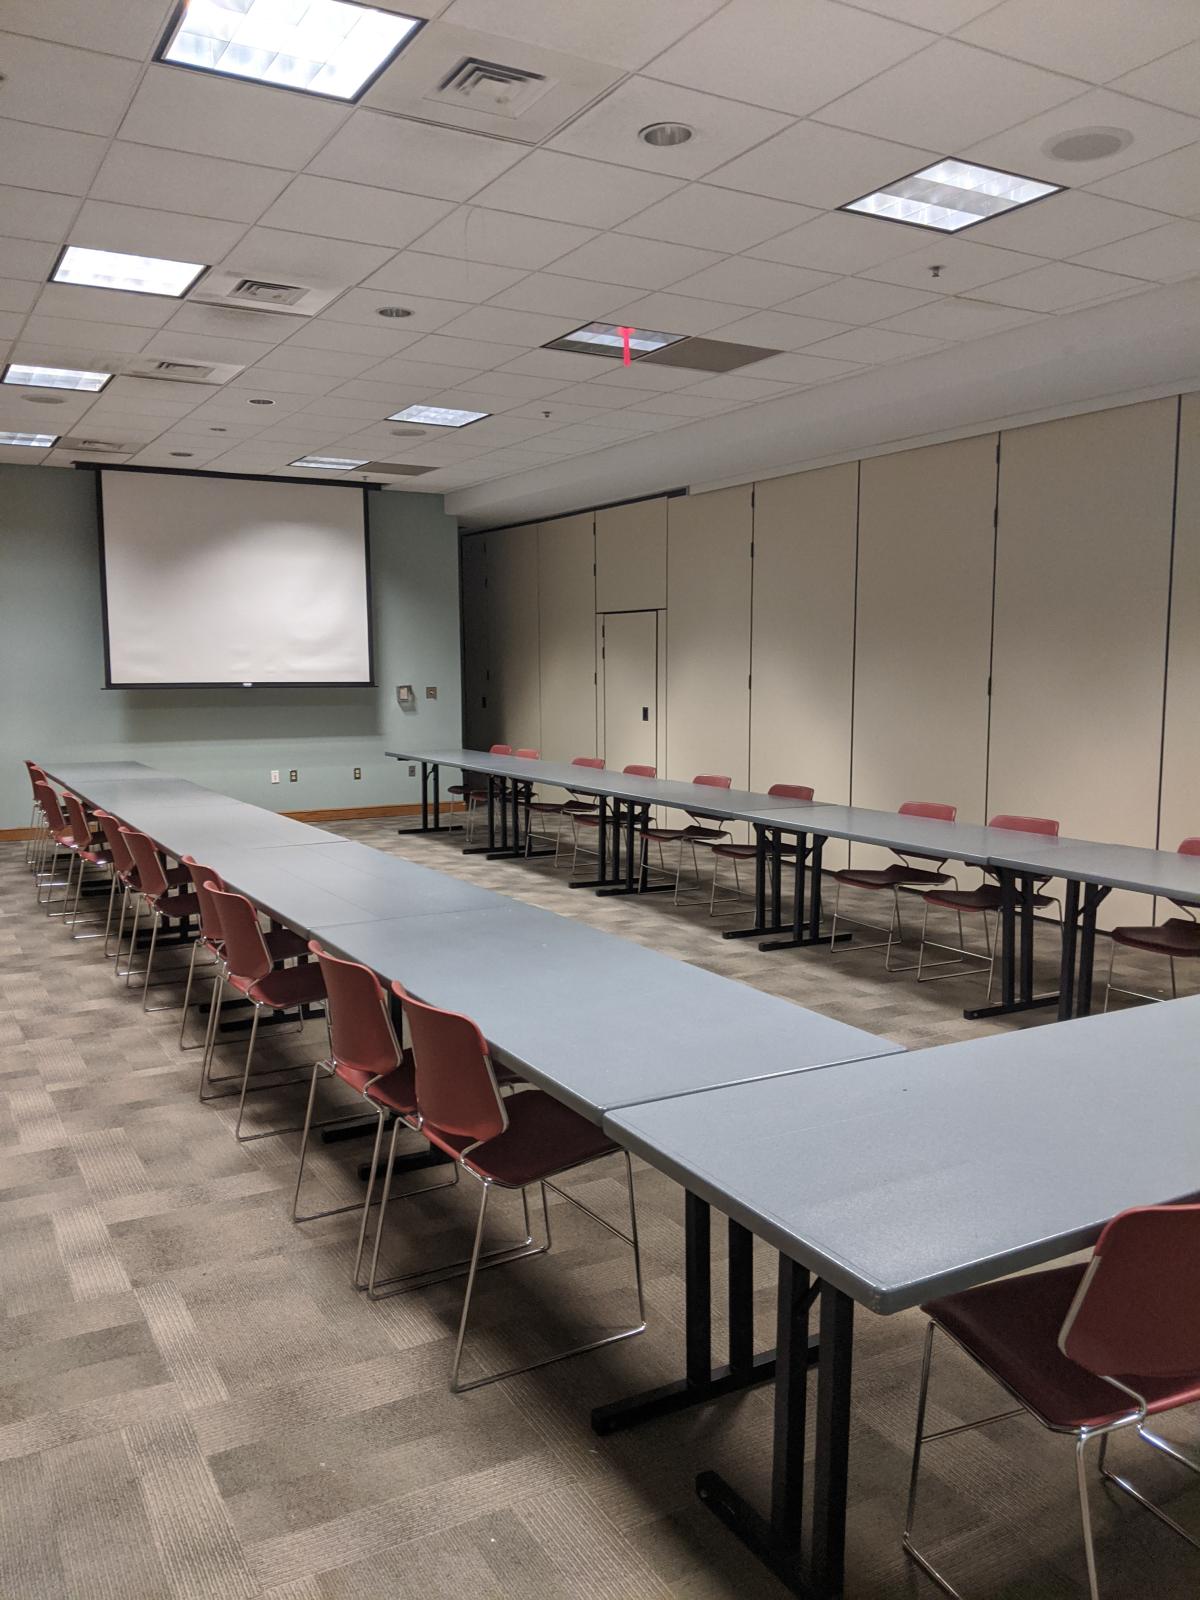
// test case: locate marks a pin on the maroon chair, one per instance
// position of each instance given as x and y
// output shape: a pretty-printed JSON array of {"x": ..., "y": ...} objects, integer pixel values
[
  {"x": 590, "y": 818},
  {"x": 1178, "y": 939},
  {"x": 1087, "y": 1350},
  {"x": 506, "y": 1143},
  {"x": 251, "y": 972},
  {"x": 697, "y": 831},
  {"x": 88, "y": 851},
  {"x": 125, "y": 870},
  {"x": 988, "y": 897},
  {"x": 562, "y": 808},
  {"x": 38, "y": 832},
  {"x": 473, "y": 788},
  {"x": 902, "y": 874},
  {"x": 60, "y": 841},
  {"x": 154, "y": 888},
  {"x": 748, "y": 852}
]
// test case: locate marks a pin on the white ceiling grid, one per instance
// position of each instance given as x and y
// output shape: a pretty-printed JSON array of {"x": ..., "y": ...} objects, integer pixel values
[{"x": 499, "y": 234}]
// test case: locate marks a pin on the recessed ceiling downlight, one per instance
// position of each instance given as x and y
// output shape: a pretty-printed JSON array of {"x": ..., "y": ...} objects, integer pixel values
[
  {"x": 663, "y": 135},
  {"x": 394, "y": 311},
  {"x": 1088, "y": 144}
]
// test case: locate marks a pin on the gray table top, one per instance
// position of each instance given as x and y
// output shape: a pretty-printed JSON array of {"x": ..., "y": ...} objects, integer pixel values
[
  {"x": 906, "y": 1178},
  {"x": 70, "y": 773},
  {"x": 952, "y": 841},
  {"x": 1121, "y": 866},
  {"x": 598, "y": 1021}
]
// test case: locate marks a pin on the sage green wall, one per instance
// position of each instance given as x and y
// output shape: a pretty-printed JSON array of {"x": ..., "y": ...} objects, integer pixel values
[{"x": 52, "y": 700}]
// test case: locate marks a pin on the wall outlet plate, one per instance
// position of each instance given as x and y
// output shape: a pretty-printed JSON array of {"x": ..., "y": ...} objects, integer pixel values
[
  {"x": 404, "y": 694},
  {"x": 274, "y": 774},
  {"x": 293, "y": 775},
  {"x": 358, "y": 772},
  {"x": 431, "y": 692}
]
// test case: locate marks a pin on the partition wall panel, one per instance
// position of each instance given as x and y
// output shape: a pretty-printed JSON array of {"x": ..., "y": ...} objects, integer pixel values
[
  {"x": 515, "y": 700},
  {"x": 1180, "y": 814},
  {"x": 925, "y": 549},
  {"x": 1082, "y": 579},
  {"x": 708, "y": 634},
  {"x": 631, "y": 557},
  {"x": 477, "y": 707},
  {"x": 567, "y": 633}
]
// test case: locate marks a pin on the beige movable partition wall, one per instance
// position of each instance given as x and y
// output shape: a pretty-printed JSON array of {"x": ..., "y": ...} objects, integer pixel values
[
  {"x": 513, "y": 636},
  {"x": 1180, "y": 815},
  {"x": 566, "y": 611},
  {"x": 631, "y": 557},
  {"x": 708, "y": 634},
  {"x": 802, "y": 653},
  {"x": 477, "y": 700},
  {"x": 1082, "y": 575},
  {"x": 925, "y": 548}
]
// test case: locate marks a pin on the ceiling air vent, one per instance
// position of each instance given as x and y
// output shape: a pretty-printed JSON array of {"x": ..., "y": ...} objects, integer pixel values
[
  {"x": 269, "y": 294},
  {"x": 97, "y": 447},
  {"x": 393, "y": 469},
  {"x": 164, "y": 370},
  {"x": 488, "y": 86}
]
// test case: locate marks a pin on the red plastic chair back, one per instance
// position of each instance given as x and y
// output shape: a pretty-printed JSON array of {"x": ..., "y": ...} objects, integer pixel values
[
  {"x": 210, "y": 912},
  {"x": 456, "y": 1092},
  {"x": 81, "y": 828},
  {"x": 595, "y": 762},
  {"x": 712, "y": 780},
  {"x": 360, "y": 1024},
  {"x": 114, "y": 838},
  {"x": 790, "y": 791},
  {"x": 36, "y": 775},
  {"x": 528, "y": 755},
  {"x": 928, "y": 808},
  {"x": 639, "y": 772},
  {"x": 152, "y": 880},
  {"x": 51, "y": 809},
  {"x": 500, "y": 750},
  {"x": 1025, "y": 824},
  {"x": 1137, "y": 1312},
  {"x": 1190, "y": 847},
  {"x": 246, "y": 953}
]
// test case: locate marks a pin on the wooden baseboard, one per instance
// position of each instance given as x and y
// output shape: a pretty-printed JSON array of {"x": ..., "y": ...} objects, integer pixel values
[
  {"x": 17, "y": 833},
  {"x": 331, "y": 814}
]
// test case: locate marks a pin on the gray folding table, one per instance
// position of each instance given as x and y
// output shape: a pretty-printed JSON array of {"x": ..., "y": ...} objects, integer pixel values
[{"x": 892, "y": 1182}]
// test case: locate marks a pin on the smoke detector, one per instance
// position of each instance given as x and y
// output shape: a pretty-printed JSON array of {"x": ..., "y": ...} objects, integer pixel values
[{"x": 1088, "y": 144}]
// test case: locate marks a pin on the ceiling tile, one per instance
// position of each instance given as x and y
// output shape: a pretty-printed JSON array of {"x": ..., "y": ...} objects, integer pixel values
[
  {"x": 515, "y": 327},
  {"x": 716, "y": 219},
  {"x": 331, "y": 363},
  {"x": 1057, "y": 286},
  {"x": 1064, "y": 224},
  {"x": 273, "y": 381},
  {"x": 643, "y": 375},
  {"x": 135, "y": 230},
  {"x": 259, "y": 327},
  {"x": 791, "y": 55},
  {"x": 558, "y": 409},
  {"x": 1093, "y": 41},
  {"x": 116, "y": 338},
  {"x": 871, "y": 345},
  {"x": 361, "y": 306},
  {"x": 805, "y": 369},
  {"x": 116, "y": 27},
  {"x": 623, "y": 33},
  {"x": 676, "y": 313},
  {"x": 56, "y": 86},
  {"x": 106, "y": 305},
  {"x": 144, "y": 175},
  {"x": 414, "y": 157},
  {"x": 29, "y": 258},
  {"x": 686, "y": 405},
  {"x": 737, "y": 388},
  {"x": 444, "y": 277},
  {"x": 273, "y": 253},
  {"x": 512, "y": 386},
  {"x": 341, "y": 210},
  {"x": 373, "y": 338},
  {"x": 571, "y": 189},
  {"x": 29, "y": 215},
  {"x": 748, "y": 282},
  {"x": 596, "y": 394},
  {"x": 948, "y": 97},
  {"x": 215, "y": 116},
  {"x": 580, "y": 298},
  {"x": 479, "y": 354},
  {"x": 560, "y": 364},
  {"x": 858, "y": 301},
  {"x": 403, "y": 369},
  {"x": 942, "y": 16},
  {"x": 17, "y": 294},
  {"x": 820, "y": 166},
  {"x": 960, "y": 266},
  {"x": 1170, "y": 183},
  {"x": 200, "y": 347},
  {"x": 723, "y": 128},
  {"x": 475, "y": 234},
  {"x": 839, "y": 242},
  {"x": 49, "y": 158},
  {"x": 775, "y": 330},
  {"x": 1023, "y": 149},
  {"x": 952, "y": 318},
  {"x": 637, "y": 263},
  {"x": 1173, "y": 80},
  {"x": 1164, "y": 255},
  {"x": 388, "y": 397}
]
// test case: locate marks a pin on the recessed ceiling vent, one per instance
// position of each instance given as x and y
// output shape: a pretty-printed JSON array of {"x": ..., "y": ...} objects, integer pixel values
[
  {"x": 490, "y": 87},
  {"x": 272, "y": 296},
  {"x": 96, "y": 447},
  {"x": 165, "y": 370},
  {"x": 394, "y": 469}
]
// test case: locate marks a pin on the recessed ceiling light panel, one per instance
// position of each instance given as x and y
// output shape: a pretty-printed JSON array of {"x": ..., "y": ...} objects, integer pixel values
[
  {"x": 438, "y": 416},
  {"x": 328, "y": 463},
  {"x": 335, "y": 48},
  {"x": 55, "y": 378},
  {"x": 110, "y": 269},
  {"x": 608, "y": 339},
  {"x": 35, "y": 441},
  {"x": 951, "y": 195}
]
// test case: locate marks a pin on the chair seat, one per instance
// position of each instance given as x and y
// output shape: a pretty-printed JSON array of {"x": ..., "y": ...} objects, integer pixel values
[
  {"x": 175, "y": 906},
  {"x": 282, "y": 943},
  {"x": 285, "y": 987},
  {"x": 1178, "y": 937},
  {"x": 694, "y": 830},
  {"x": 896, "y": 876},
  {"x": 986, "y": 898},
  {"x": 96, "y": 857},
  {"x": 747, "y": 852},
  {"x": 1012, "y": 1328},
  {"x": 543, "y": 1137},
  {"x": 396, "y": 1091}
]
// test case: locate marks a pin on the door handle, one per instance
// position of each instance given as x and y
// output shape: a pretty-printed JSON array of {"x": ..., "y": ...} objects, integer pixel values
[{"x": 645, "y": 713}]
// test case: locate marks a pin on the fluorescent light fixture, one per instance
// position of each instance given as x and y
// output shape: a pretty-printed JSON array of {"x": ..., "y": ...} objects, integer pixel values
[
  {"x": 55, "y": 378},
  {"x": 607, "y": 339},
  {"x": 110, "y": 269},
  {"x": 335, "y": 48},
  {"x": 438, "y": 416},
  {"x": 951, "y": 195},
  {"x": 328, "y": 463},
  {"x": 35, "y": 441}
]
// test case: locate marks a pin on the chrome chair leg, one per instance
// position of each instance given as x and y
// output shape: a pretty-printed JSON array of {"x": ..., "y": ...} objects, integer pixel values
[{"x": 1085, "y": 1515}]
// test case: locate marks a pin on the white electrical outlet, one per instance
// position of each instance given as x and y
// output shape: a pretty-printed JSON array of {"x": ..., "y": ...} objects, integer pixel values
[{"x": 274, "y": 774}]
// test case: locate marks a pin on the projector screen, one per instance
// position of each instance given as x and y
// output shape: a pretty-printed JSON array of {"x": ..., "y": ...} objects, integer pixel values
[{"x": 218, "y": 580}]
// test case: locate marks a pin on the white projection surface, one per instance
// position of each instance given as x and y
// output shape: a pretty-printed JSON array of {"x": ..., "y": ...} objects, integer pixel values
[{"x": 211, "y": 580}]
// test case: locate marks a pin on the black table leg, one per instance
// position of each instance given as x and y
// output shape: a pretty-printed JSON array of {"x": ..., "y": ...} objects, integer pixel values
[
  {"x": 428, "y": 826},
  {"x": 1070, "y": 932},
  {"x": 1093, "y": 894},
  {"x": 1016, "y": 965},
  {"x": 763, "y": 846},
  {"x": 611, "y": 881},
  {"x": 806, "y": 920}
]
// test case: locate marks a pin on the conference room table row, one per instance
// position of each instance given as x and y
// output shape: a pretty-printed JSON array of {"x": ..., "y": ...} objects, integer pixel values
[
  {"x": 1020, "y": 861},
  {"x": 881, "y": 1177}
]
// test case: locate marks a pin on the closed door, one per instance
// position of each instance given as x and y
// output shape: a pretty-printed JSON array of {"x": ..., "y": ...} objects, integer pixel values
[{"x": 629, "y": 688}]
